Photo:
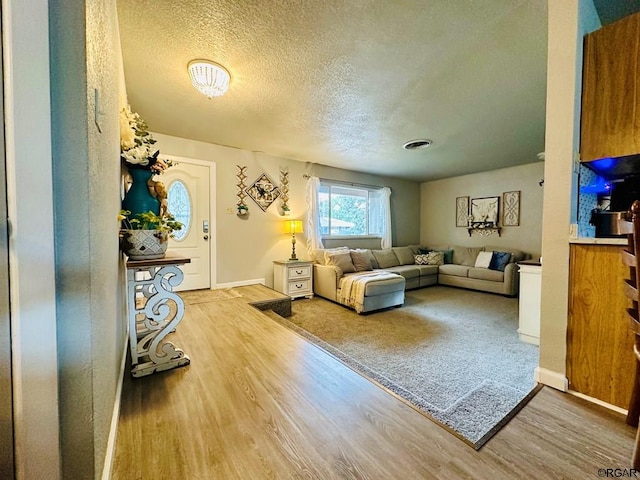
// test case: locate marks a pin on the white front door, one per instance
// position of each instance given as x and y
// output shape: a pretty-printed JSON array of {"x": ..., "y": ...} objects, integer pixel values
[{"x": 189, "y": 200}]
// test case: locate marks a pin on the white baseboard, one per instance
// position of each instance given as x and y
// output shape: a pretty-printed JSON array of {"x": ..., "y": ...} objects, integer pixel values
[
  {"x": 552, "y": 379},
  {"x": 113, "y": 431},
  {"x": 615, "y": 408},
  {"x": 241, "y": 284},
  {"x": 560, "y": 382}
]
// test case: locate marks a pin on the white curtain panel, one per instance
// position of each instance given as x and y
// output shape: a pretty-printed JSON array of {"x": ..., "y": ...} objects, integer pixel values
[
  {"x": 314, "y": 235},
  {"x": 380, "y": 215}
]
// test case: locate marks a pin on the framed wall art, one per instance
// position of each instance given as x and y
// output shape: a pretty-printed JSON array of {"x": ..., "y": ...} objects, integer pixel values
[
  {"x": 462, "y": 211},
  {"x": 485, "y": 211},
  {"x": 511, "y": 209},
  {"x": 263, "y": 191}
]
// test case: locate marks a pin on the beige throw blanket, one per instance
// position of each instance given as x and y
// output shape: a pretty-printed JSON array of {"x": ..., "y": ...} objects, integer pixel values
[{"x": 352, "y": 287}]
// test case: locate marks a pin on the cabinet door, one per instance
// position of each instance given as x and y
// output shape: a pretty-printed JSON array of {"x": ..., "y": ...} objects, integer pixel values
[
  {"x": 600, "y": 360},
  {"x": 610, "y": 125}
]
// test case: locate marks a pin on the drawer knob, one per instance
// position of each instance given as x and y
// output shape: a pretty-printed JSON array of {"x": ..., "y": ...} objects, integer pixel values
[
  {"x": 298, "y": 272},
  {"x": 298, "y": 286}
]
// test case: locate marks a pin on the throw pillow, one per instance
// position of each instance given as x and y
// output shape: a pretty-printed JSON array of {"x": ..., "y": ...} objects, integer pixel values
[
  {"x": 421, "y": 259},
  {"x": 483, "y": 260},
  {"x": 431, "y": 258},
  {"x": 516, "y": 255},
  {"x": 342, "y": 260},
  {"x": 466, "y": 255},
  {"x": 361, "y": 260},
  {"x": 318, "y": 256},
  {"x": 374, "y": 262},
  {"x": 386, "y": 258},
  {"x": 448, "y": 256},
  {"x": 499, "y": 260},
  {"x": 422, "y": 250}
]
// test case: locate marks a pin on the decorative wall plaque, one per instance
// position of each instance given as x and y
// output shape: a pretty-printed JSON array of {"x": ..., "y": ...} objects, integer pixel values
[
  {"x": 462, "y": 211},
  {"x": 511, "y": 209},
  {"x": 484, "y": 211},
  {"x": 263, "y": 191}
]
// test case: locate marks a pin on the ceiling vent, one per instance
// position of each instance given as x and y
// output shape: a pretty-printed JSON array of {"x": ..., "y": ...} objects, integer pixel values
[{"x": 417, "y": 144}]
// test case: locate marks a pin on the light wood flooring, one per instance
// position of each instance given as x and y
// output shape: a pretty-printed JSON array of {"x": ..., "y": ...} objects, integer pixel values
[{"x": 259, "y": 401}]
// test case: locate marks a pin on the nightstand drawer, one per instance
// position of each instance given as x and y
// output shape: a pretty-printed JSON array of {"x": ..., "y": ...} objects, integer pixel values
[
  {"x": 301, "y": 271},
  {"x": 299, "y": 286}
]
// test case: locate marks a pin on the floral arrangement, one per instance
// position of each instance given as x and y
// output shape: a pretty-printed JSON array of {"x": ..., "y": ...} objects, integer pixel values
[{"x": 137, "y": 144}]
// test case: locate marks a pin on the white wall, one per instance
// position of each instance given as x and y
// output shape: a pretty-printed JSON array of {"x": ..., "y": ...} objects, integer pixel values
[
  {"x": 438, "y": 205},
  {"x": 246, "y": 247},
  {"x": 85, "y": 54},
  {"x": 31, "y": 247},
  {"x": 569, "y": 20}
]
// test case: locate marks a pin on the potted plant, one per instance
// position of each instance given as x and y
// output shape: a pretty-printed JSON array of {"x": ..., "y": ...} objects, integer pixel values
[
  {"x": 242, "y": 209},
  {"x": 145, "y": 236}
]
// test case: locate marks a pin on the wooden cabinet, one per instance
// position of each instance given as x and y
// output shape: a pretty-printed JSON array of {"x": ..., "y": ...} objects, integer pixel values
[
  {"x": 610, "y": 125},
  {"x": 529, "y": 303},
  {"x": 293, "y": 278},
  {"x": 600, "y": 361}
]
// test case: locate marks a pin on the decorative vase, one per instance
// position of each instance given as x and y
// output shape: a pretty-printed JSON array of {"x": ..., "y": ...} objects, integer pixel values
[
  {"x": 144, "y": 244},
  {"x": 138, "y": 198}
]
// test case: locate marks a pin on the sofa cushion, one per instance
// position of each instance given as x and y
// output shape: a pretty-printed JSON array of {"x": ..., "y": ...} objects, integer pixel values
[
  {"x": 483, "y": 260},
  {"x": 431, "y": 258},
  {"x": 466, "y": 255},
  {"x": 453, "y": 269},
  {"x": 361, "y": 260},
  {"x": 486, "y": 274},
  {"x": 386, "y": 258},
  {"x": 341, "y": 260},
  {"x": 404, "y": 254},
  {"x": 380, "y": 286},
  {"x": 426, "y": 270},
  {"x": 318, "y": 255},
  {"x": 415, "y": 249},
  {"x": 499, "y": 260},
  {"x": 407, "y": 271}
]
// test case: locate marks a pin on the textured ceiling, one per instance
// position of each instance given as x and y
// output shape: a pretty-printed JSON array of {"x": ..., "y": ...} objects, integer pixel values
[{"x": 347, "y": 83}]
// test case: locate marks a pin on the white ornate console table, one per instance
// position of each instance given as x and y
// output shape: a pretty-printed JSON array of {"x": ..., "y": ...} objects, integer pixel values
[{"x": 154, "y": 311}]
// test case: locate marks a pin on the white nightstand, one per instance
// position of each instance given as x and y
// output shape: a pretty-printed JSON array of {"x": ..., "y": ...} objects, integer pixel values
[{"x": 293, "y": 278}]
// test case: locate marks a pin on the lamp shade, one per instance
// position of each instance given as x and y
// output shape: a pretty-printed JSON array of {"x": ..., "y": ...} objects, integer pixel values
[
  {"x": 293, "y": 226},
  {"x": 209, "y": 78}
]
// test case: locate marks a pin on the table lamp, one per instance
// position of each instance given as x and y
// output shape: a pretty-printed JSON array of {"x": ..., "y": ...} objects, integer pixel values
[{"x": 293, "y": 227}]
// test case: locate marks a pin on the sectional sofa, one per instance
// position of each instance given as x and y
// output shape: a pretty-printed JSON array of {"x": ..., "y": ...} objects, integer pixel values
[{"x": 387, "y": 273}]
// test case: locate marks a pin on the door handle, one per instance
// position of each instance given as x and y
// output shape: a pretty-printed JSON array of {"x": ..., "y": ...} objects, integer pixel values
[{"x": 206, "y": 237}]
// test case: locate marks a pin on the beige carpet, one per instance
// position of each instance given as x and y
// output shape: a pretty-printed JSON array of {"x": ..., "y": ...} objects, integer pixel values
[{"x": 452, "y": 353}]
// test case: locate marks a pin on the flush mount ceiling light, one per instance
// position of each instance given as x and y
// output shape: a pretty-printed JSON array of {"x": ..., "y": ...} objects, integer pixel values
[
  {"x": 209, "y": 78},
  {"x": 417, "y": 144}
]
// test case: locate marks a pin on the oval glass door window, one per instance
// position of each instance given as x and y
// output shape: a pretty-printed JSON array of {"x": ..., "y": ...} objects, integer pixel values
[{"x": 179, "y": 205}]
